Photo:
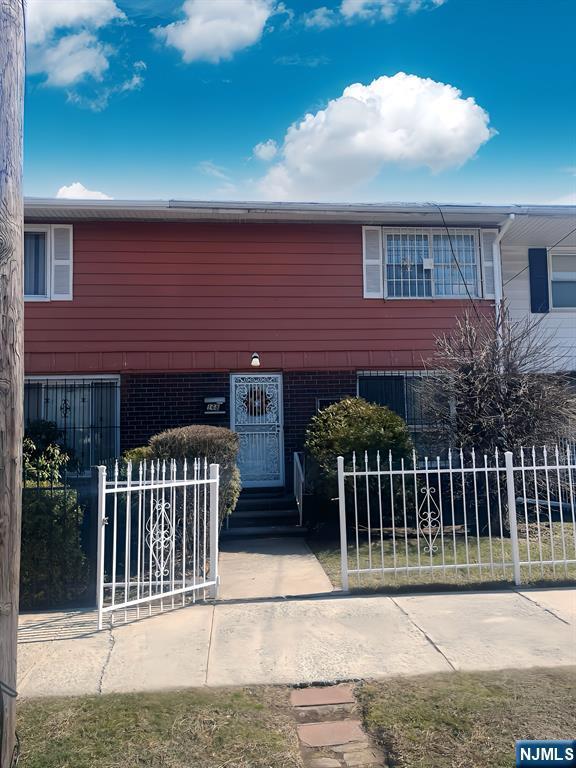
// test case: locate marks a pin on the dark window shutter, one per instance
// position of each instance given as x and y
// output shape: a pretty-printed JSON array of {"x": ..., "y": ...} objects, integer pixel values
[{"x": 539, "y": 289}]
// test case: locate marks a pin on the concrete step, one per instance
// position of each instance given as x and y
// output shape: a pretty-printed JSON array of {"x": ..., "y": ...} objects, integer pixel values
[
  {"x": 262, "y": 530},
  {"x": 258, "y": 521},
  {"x": 255, "y": 502},
  {"x": 242, "y": 514}
]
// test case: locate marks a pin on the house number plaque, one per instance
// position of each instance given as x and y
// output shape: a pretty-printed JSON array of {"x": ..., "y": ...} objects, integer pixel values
[{"x": 215, "y": 406}]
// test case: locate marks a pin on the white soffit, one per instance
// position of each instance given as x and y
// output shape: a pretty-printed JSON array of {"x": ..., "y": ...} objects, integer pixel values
[{"x": 542, "y": 231}]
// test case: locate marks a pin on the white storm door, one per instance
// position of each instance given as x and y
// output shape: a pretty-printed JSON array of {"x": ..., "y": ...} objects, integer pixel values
[{"x": 257, "y": 416}]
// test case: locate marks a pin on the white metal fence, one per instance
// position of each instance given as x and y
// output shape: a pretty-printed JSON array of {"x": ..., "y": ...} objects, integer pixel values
[
  {"x": 158, "y": 537},
  {"x": 462, "y": 518}
]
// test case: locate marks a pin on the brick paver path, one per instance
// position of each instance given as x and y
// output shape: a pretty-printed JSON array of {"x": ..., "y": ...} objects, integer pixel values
[{"x": 330, "y": 734}]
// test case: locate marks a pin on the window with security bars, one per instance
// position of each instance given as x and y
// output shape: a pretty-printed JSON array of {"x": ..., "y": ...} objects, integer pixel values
[
  {"x": 408, "y": 270},
  {"x": 455, "y": 265},
  {"x": 426, "y": 263},
  {"x": 84, "y": 414},
  {"x": 402, "y": 392},
  {"x": 429, "y": 264}
]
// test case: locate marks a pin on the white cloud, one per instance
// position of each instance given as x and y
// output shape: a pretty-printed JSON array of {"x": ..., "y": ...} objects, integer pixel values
[
  {"x": 44, "y": 17},
  {"x": 78, "y": 53},
  {"x": 384, "y": 9},
  {"x": 322, "y": 18},
  {"x": 70, "y": 59},
  {"x": 365, "y": 10},
  {"x": 99, "y": 99},
  {"x": 213, "y": 31},
  {"x": 404, "y": 120},
  {"x": 209, "y": 168},
  {"x": 78, "y": 191},
  {"x": 266, "y": 150},
  {"x": 295, "y": 60}
]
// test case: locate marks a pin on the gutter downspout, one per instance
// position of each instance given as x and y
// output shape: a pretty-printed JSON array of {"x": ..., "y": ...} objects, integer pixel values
[{"x": 497, "y": 257}]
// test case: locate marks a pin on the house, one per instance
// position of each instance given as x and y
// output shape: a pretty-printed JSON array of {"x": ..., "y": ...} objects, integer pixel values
[
  {"x": 539, "y": 276},
  {"x": 142, "y": 316}
]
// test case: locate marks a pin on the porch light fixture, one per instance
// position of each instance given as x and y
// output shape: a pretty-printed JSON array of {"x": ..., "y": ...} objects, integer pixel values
[{"x": 255, "y": 362}]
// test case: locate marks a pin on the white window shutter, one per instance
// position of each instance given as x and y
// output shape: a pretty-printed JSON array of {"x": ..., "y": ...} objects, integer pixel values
[
  {"x": 62, "y": 258},
  {"x": 372, "y": 249},
  {"x": 488, "y": 239}
]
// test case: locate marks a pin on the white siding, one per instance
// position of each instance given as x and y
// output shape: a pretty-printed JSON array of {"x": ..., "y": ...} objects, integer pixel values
[{"x": 560, "y": 325}]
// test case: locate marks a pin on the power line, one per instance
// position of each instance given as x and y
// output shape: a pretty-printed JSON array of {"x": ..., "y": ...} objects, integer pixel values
[
  {"x": 563, "y": 238},
  {"x": 456, "y": 261},
  {"x": 549, "y": 248},
  {"x": 515, "y": 276}
]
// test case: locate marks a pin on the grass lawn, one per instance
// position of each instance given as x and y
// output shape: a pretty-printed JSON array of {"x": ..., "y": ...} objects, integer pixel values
[
  {"x": 461, "y": 550},
  {"x": 462, "y": 720},
  {"x": 242, "y": 728},
  {"x": 453, "y": 720}
]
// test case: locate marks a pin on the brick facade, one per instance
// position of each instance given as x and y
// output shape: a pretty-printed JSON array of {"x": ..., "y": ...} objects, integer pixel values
[
  {"x": 301, "y": 393},
  {"x": 151, "y": 403}
]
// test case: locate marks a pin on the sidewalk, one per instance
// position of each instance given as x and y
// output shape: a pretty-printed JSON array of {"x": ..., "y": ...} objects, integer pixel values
[
  {"x": 265, "y": 567},
  {"x": 298, "y": 641}
]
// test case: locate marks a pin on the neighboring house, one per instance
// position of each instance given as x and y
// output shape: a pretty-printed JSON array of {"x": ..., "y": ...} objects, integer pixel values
[
  {"x": 141, "y": 316},
  {"x": 539, "y": 276}
]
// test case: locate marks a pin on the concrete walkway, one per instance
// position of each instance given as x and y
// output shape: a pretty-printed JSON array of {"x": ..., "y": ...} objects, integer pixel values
[
  {"x": 298, "y": 641},
  {"x": 269, "y": 568}
]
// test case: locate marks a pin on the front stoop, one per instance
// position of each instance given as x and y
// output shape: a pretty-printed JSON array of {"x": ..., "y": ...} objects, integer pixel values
[{"x": 329, "y": 734}]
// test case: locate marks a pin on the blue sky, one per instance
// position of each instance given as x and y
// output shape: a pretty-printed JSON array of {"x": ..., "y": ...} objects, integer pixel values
[{"x": 357, "y": 100}]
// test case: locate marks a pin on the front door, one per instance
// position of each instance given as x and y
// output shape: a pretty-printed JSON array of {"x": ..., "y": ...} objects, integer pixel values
[{"x": 257, "y": 416}]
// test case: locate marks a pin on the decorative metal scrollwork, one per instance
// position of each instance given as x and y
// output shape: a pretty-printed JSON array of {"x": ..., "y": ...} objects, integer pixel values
[
  {"x": 257, "y": 401},
  {"x": 160, "y": 538},
  {"x": 429, "y": 520}
]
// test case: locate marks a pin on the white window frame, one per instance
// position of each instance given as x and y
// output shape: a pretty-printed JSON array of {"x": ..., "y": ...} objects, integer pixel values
[
  {"x": 48, "y": 230},
  {"x": 561, "y": 251},
  {"x": 430, "y": 231}
]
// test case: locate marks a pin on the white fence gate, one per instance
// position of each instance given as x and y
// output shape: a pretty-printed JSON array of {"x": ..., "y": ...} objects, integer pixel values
[
  {"x": 158, "y": 537},
  {"x": 464, "y": 518}
]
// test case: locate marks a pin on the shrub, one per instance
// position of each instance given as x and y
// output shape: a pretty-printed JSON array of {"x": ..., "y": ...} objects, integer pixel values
[
  {"x": 217, "y": 445},
  {"x": 43, "y": 433},
  {"x": 137, "y": 455},
  {"x": 351, "y": 425},
  {"x": 42, "y": 465},
  {"x": 53, "y": 569}
]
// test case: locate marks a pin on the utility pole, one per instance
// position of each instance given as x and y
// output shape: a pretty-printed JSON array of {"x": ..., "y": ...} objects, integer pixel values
[{"x": 11, "y": 356}]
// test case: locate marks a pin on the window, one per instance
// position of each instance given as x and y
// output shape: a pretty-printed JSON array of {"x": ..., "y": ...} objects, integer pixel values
[
  {"x": 85, "y": 411},
  {"x": 47, "y": 262},
  {"x": 426, "y": 263},
  {"x": 35, "y": 264},
  {"x": 563, "y": 280},
  {"x": 400, "y": 391}
]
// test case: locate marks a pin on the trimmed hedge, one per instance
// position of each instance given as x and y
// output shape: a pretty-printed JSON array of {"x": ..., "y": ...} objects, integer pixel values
[
  {"x": 217, "y": 445},
  {"x": 353, "y": 424}
]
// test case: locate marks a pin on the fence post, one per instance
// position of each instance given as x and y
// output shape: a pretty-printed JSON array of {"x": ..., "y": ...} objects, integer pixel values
[
  {"x": 214, "y": 527},
  {"x": 343, "y": 532},
  {"x": 512, "y": 519},
  {"x": 101, "y": 534},
  {"x": 91, "y": 536}
]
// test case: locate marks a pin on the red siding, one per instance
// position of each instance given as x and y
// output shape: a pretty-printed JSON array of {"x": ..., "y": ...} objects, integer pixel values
[{"x": 172, "y": 296}]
